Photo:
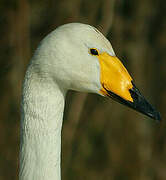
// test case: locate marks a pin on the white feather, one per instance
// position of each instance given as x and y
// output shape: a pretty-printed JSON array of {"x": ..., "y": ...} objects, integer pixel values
[{"x": 61, "y": 62}]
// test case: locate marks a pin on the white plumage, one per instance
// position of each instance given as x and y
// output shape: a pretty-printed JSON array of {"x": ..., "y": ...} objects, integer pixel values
[{"x": 62, "y": 61}]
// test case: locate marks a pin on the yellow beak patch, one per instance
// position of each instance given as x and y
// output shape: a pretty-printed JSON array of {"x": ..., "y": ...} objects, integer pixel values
[{"x": 114, "y": 76}]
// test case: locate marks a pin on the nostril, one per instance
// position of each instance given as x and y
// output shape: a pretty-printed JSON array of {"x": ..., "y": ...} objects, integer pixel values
[{"x": 134, "y": 95}]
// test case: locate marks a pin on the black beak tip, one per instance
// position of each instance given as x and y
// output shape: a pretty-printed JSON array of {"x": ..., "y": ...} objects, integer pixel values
[
  {"x": 140, "y": 104},
  {"x": 155, "y": 115}
]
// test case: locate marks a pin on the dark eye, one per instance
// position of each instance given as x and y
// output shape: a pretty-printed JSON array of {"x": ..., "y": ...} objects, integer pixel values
[{"x": 94, "y": 52}]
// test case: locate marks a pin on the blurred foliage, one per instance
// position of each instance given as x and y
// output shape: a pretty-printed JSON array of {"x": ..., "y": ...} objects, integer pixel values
[{"x": 101, "y": 139}]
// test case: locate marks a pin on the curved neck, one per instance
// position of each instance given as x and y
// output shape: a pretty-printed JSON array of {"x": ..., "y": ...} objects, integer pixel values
[{"x": 42, "y": 114}]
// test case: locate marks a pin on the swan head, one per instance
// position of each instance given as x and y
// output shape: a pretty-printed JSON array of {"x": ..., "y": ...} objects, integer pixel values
[{"x": 78, "y": 57}]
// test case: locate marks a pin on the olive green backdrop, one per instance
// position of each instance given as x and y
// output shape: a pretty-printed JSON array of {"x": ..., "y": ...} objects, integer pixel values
[{"x": 102, "y": 140}]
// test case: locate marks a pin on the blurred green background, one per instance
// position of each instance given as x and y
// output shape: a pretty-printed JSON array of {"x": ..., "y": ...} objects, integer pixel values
[{"x": 102, "y": 140}]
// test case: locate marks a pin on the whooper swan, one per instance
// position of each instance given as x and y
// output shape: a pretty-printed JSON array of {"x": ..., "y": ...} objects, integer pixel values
[{"x": 78, "y": 57}]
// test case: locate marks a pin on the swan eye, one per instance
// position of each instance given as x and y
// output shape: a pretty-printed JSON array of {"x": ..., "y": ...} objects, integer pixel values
[{"x": 94, "y": 51}]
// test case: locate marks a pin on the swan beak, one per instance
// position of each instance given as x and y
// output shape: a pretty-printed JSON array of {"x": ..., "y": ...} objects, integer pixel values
[{"x": 118, "y": 84}]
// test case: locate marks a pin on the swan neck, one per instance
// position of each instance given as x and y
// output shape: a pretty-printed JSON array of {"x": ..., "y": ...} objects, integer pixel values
[{"x": 41, "y": 123}]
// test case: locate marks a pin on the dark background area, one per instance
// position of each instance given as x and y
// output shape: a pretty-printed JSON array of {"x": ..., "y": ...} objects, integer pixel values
[{"x": 102, "y": 139}]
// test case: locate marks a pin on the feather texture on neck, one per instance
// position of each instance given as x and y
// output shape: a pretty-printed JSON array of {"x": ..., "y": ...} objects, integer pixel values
[{"x": 42, "y": 114}]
